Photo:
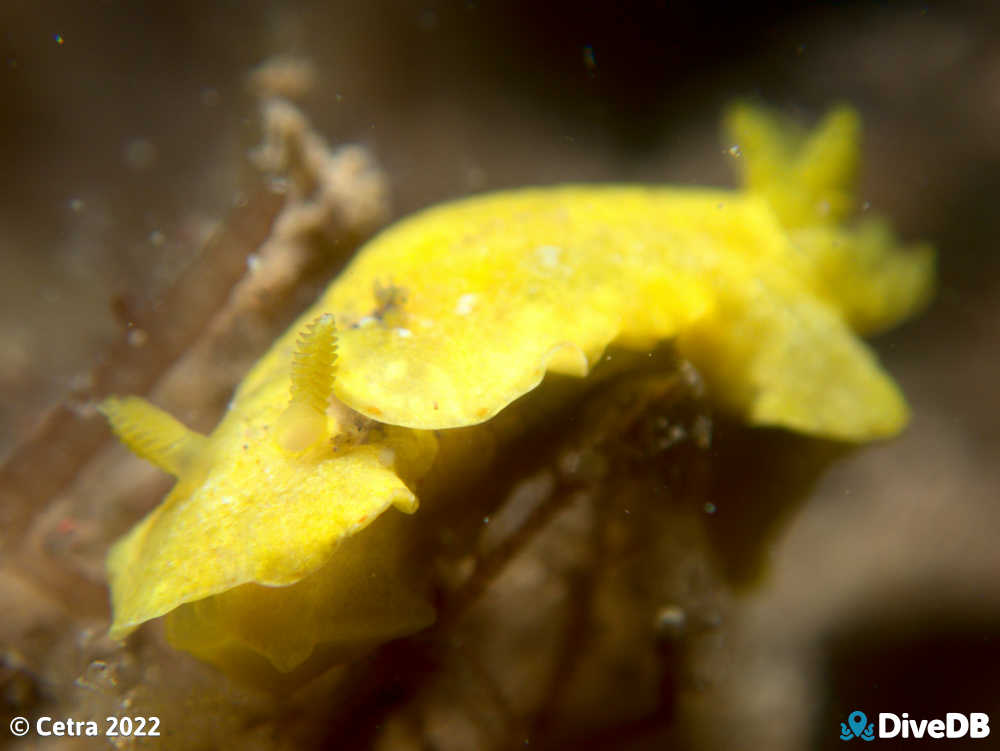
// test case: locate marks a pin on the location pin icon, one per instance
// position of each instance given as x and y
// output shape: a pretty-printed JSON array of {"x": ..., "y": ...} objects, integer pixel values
[{"x": 857, "y": 721}]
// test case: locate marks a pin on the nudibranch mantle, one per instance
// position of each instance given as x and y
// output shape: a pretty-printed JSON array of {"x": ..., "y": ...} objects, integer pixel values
[{"x": 449, "y": 316}]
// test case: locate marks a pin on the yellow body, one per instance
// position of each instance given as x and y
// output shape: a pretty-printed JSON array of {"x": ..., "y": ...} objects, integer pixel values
[{"x": 450, "y": 315}]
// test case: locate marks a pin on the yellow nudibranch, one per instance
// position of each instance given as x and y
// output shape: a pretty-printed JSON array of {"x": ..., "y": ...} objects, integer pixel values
[{"x": 262, "y": 556}]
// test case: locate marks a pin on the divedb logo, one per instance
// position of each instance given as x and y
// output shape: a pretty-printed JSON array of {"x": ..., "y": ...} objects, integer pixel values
[{"x": 954, "y": 725}]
